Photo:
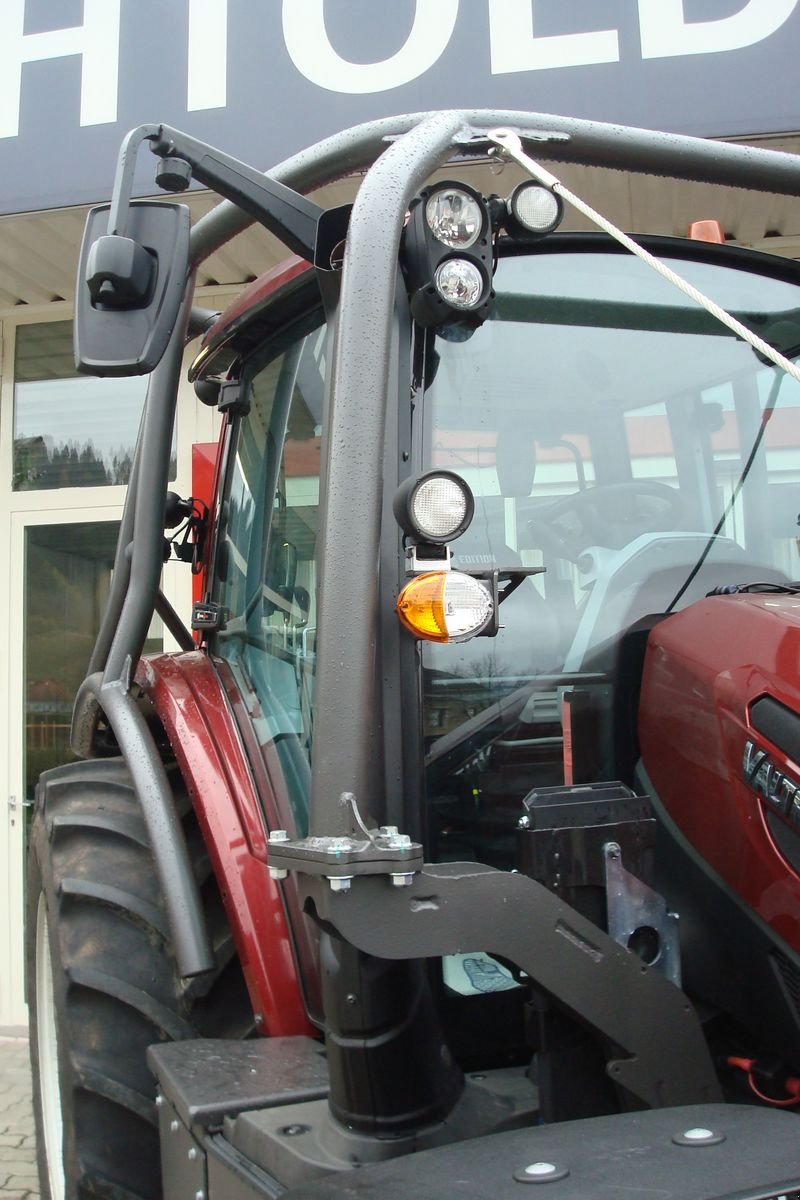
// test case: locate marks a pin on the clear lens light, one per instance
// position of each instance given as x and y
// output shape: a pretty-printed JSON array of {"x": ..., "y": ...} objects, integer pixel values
[
  {"x": 536, "y": 208},
  {"x": 459, "y": 282},
  {"x": 439, "y": 507},
  {"x": 444, "y": 606},
  {"x": 455, "y": 218}
]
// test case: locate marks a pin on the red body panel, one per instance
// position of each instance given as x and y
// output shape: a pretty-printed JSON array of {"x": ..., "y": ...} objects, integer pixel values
[
  {"x": 205, "y": 467},
  {"x": 196, "y": 715},
  {"x": 704, "y": 668},
  {"x": 254, "y": 295},
  {"x": 240, "y": 312}
]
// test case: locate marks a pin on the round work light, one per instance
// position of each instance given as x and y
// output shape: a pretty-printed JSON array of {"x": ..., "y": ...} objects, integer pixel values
[
  {"x": 459, "y": 282},
  {"x": 435, "y": 507},
  {"x": 454, "y": 217},
  {"x": 533, "y": 211},
  {"x": 444, "y": 606}
]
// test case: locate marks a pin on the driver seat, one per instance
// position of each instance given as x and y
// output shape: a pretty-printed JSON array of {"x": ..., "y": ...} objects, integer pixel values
[
  {"x": 645, "y": 577},
  {"x": 528, "y": 641}
]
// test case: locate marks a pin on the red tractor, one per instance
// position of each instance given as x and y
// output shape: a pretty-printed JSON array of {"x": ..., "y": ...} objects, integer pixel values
[{"x": 458, "y": 847}]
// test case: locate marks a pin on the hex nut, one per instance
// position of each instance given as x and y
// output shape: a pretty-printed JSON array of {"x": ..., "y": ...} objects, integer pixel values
[{"x": 340, "y": 883}]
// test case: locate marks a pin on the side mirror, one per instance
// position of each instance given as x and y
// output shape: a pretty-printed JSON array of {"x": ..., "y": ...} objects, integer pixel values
[{"x": 130, "y": 288}]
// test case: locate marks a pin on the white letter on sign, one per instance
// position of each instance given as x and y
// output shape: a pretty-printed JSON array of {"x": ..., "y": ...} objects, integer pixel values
[
  {"x": 314, "y": 56},
  {"x": 97, "y": 42},
  {"x": 515, "y": 47},
  {"x": 207, "y": 81},
  {"x": 665, "y": 34}
]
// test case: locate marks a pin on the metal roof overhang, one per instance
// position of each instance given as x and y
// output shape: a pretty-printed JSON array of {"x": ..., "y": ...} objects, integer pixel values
[{"x": 39, "y": 251}]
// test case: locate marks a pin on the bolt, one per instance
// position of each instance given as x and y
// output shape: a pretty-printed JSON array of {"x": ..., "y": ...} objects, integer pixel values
[
  {"x": 541, "y": 1172},
  {"x": 351, "y": 998},
  {"x": 276, "y": 837},
  {"x": 293, "y": 1130},
  {"x": 698, "y": 1136},
  {"x": 340, "y": 883},
  {"x": 523, "y": 822},
  {"x": 402, "y": 878},
  {"x": 258, "y": 1019},
  {"x": 612, "y": 849},
  {"x": 174, "y": 1126},
  {"x": 541, "y": 1169},
  {"x": 159, "y": 1100},
  {"x": 395, "y": 840},
  {"x": 192, "y": 1154}
]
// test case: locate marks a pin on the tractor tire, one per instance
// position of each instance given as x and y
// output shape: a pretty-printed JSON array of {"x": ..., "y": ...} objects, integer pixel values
[{"x": 103, "y": 984}]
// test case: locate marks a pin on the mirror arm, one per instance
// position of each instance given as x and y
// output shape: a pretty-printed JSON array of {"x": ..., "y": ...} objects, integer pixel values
[
  {"x": 291, "y": 217},
  {"x": 123, "y": 180}
]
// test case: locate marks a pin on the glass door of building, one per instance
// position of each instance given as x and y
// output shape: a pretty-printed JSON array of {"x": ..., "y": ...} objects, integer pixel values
[
  {"x": 58, "y": 585},
  {"x": 66, "y": 445}
]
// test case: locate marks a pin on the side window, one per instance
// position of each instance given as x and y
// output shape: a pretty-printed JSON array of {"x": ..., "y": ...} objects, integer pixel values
[{"x": 266, "y": 569}]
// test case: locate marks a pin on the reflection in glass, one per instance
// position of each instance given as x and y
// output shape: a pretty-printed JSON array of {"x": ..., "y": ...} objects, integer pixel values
[
  {"x": 67, "y": 577},
  {"x": 70, "y": 430}
]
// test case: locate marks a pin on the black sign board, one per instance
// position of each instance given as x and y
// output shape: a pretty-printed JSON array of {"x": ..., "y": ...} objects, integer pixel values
[{"x": 264, "y": 78}]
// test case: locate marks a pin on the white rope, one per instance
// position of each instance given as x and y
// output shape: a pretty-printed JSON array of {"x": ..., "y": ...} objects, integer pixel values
[{"x": 509, "y": 141}]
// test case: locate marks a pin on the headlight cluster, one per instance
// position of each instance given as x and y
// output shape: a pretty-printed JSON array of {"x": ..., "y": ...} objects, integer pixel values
[
  {"x": 447, "y": 256},
  {"x": 447, "y": 248}
]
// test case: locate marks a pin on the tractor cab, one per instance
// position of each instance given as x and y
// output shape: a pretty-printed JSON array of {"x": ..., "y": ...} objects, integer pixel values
[
  {"x": 458, "y": 845},
  {"x": 624, "y": 456}
]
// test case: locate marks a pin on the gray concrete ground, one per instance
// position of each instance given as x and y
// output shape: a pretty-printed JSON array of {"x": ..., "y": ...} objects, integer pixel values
[{"x": 17, "y": 1147}]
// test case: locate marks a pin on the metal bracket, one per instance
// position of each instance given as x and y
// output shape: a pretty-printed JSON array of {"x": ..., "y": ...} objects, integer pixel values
[
  {"x": 417, "y": 563},
  {"x": 653, "y": 1038},
  {"x": 638, "y": 918},
  {"x": 383, "y": 851},
  {"x": 183, "y": 1162}
]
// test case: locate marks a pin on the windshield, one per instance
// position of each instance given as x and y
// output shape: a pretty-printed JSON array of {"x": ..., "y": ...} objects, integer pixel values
[{"x": 623, "y": 440}]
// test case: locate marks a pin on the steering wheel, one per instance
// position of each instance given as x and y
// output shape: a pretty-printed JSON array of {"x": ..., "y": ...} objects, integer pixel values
[{"x": 609, "y": 514}]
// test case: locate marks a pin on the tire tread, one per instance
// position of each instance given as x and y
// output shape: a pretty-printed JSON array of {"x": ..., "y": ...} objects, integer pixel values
[{"x": 116, "y": 984}]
